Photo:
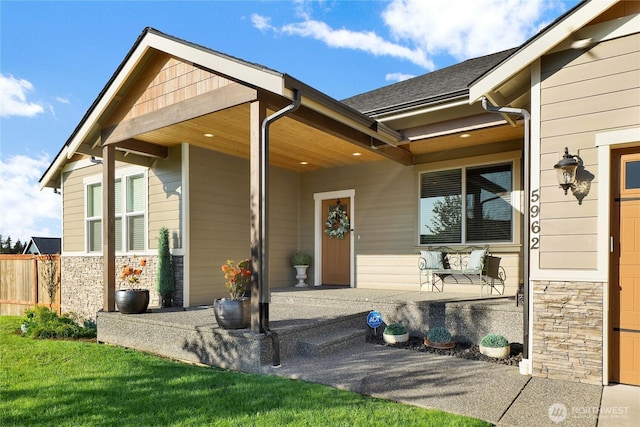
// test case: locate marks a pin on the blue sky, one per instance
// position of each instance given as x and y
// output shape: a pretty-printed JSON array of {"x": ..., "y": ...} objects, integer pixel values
[{"x": 56, "y": 56}]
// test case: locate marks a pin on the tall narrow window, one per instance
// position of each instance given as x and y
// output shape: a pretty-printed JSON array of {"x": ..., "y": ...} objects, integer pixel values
[
  {"x": 489, "y": 208},
  {"x": 136, "y": 201},
  {"x": 466, "y": 205},
  {"x": 94, "y": 218},
  {"x": 441, "y": 207}
]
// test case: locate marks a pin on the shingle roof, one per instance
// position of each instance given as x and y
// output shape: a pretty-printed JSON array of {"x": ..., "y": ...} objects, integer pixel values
[
  {"x": 438, "y": 85},
  {"x": 46, "y": 245}
]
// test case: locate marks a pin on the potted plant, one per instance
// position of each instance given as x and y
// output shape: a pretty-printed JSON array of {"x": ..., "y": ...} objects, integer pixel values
[
  {"x": 164, "y": 279},
  {"x": 129, "y": 299},
  {"x": 301, "y": 261},
  {"x": 395, "y": 333},
  {"x": 234, "y": 312},
  {"x": 439, "y": 337},
  {"x": 495, "y": 345}
]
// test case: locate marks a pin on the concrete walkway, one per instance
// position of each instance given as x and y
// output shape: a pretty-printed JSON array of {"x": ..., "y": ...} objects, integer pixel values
[{"x": 491, "y": 392}]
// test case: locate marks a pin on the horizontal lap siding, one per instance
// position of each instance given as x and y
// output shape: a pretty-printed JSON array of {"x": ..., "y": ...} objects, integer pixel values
[
  {"x": 401, "y": 272},
  {"x": 165, "y": 197},
  {"x": 73, "y": 201},
  {"x": 220, "y": 221},
  {"x": 385, "y": 205},
  {"x": 581, "y": 94}
]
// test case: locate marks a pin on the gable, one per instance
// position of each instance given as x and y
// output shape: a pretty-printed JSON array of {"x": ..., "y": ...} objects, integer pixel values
[{"x": 165, "y": 81}]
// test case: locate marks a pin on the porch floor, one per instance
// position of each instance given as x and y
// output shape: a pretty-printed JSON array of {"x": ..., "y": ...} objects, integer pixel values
[{"x": 308, "y": 321}]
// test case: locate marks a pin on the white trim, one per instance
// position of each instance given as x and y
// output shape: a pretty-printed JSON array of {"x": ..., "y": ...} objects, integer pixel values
[
  {"x": 80, "y": 164},
  {"x": 603, "y": 31},
  {"x": 122, "y": 174},
  {"x": 605, "y": 142},
  {"x": 534, "y": 184},
  {"x": 318, "y": 221},
  {"x": 186, "y": 230},
  {"x": 537, "y": 47}
]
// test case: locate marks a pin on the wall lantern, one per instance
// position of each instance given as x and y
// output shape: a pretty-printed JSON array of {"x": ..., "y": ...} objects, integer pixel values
[{"x": 566, "y": 168}]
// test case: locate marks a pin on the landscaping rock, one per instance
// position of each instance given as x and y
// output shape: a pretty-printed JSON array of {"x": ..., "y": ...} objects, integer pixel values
[{"x": 463, "y": 351}]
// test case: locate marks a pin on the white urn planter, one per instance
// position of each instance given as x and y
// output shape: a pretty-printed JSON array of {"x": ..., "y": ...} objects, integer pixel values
[
  {"x": 301, "y": 275},
  {"x": 395, "y": 339},
  {"x": 497, "y": 352}
]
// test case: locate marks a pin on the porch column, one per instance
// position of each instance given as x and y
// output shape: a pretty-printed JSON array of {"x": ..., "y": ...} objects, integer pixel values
[
  {"x": 259, "y": 247},
  {"x": 108, "y": 227}
]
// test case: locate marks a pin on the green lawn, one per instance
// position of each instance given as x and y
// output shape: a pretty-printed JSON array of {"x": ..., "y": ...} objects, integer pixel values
[{"x": 56, "y": 383}]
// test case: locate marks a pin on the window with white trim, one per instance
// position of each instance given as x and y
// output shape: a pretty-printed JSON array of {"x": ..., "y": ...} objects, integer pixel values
[
  {"x": 482, "y": 193},
  {"x": 130, "y": 222}
]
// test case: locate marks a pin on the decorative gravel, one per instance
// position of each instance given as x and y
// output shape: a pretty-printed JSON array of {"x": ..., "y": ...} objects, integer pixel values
[{"x": 463, "y": 351}]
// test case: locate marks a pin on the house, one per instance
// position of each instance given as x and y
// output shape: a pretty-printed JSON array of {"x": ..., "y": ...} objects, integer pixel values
[
  {"x": 43, "y": 246},
  {"x": 238, "y": 160}
]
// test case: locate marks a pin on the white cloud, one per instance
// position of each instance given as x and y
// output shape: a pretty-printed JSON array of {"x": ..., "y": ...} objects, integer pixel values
[
  {"x": 423, "y": 29},
  {"x": 62, "y": 100},
  {"x": 13, "y": 98},
  {"x": 465, "y": 28},
  {"x": 398, "y": 77},
  {"x": 27, "y": 211},
  {"x": 261, "y": 22},
  {"x": 367, "y": 41}
]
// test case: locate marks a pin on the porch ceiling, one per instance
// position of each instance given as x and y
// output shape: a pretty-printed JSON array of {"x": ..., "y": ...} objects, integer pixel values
[
  {"x": 291, "y": 142},
  {"x": 475, "y": 138}
]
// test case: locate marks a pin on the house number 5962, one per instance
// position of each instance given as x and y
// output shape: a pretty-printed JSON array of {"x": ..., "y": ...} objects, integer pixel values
[{"x": 534, "y": 213}]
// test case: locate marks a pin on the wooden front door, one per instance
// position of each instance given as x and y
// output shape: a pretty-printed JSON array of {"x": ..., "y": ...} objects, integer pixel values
[
  {"x": 624, "y": 285},
  {"x": 336, "y": 251}
]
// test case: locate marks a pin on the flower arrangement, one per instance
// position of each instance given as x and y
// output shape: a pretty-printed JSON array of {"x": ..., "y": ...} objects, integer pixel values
[
  {"x": 238, "y": 277},
  {"x": 129, "y": 275}
]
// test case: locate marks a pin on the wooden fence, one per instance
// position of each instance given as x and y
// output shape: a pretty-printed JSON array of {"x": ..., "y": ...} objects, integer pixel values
[{"x": 24, "y": 282}]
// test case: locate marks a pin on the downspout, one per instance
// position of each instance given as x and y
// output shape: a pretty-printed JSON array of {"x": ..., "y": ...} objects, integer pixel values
[
  {"x": 525, "y": 229},
  {"x": 263, "y": 251}
]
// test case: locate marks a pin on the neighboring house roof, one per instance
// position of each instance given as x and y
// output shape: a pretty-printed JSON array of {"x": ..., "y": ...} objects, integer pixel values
[
  {"x": 43, "y": 245},
  {"x": 439, "y": 85}
]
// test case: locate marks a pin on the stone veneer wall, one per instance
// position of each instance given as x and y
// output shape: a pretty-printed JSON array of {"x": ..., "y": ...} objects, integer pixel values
[
  {"x": 567, "y": 331},
  {"x": 81, "y": 282}
]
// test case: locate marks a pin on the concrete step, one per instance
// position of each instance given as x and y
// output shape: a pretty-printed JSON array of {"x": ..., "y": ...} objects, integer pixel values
[{"x": 329, "y": 342}]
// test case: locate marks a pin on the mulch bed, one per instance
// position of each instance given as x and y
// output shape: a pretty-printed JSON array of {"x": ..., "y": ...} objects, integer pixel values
[{"x": 463, "y": 351}]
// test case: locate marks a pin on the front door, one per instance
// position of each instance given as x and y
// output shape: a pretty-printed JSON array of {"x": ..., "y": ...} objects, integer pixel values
[
  {"x": 624, "y": 286},
  {"x": 336, "y": 242}
]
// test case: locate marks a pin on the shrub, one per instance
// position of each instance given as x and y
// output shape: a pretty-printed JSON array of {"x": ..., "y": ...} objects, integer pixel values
[
  {"x": 301, "y": 258},
  {"x": 439, "y": 334},
  {"x": 494, "y": 341},
  {"x": 165, "y": 281},
  {"x": 41, "y": 322},
  {"x": 395, "y": 329}
]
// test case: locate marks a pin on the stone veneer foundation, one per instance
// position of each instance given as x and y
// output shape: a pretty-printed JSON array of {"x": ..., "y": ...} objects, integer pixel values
[
  {"x": 567, "y": 331},
  {"x": 82, "y": 289}
]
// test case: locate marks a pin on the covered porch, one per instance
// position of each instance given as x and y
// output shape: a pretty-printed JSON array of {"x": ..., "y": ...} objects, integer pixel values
[{"x": 309, "y": 322}]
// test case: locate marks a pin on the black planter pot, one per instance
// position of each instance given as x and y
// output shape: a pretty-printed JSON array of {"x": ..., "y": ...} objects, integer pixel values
[
  {"x": 233, "y": 314},
  {"x": 167, "y": 301},
  {"x": 132, "y": 301}
]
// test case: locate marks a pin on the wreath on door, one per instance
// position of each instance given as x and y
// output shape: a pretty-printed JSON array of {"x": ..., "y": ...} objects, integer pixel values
[{"x": 337, "y": 224}]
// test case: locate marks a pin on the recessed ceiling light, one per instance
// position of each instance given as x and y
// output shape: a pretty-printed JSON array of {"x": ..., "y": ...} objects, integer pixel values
[
  {"x": 357, "y": 154},
  {"x": 465, "y": 135},
  {"x": 208, "y": 135},
  {"x": 304, "y": 163}
]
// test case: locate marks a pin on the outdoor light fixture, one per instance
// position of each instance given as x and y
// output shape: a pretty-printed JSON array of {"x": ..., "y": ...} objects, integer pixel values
[{"x": 567, "y": 168}]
